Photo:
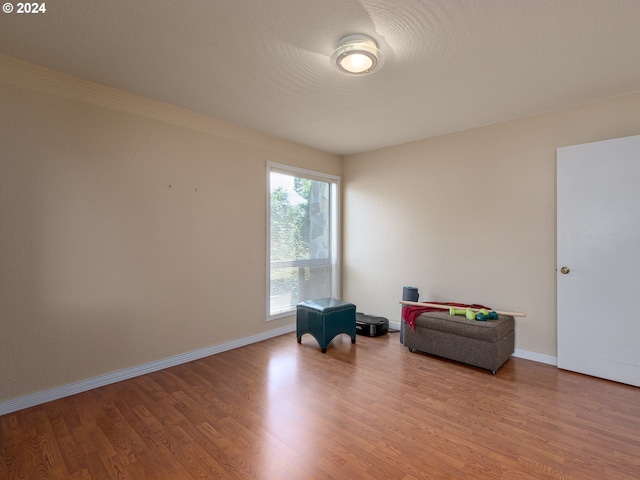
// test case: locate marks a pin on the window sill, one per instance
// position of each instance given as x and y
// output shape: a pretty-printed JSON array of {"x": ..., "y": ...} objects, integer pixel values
[{"x": 287, "y": 313}]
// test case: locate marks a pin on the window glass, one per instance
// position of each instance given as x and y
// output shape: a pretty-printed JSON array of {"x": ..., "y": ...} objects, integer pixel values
[{"x": 302, "y": 240}]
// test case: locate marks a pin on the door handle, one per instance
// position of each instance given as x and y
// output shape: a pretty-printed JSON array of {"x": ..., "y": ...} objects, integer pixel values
[{"x": 564, "y": 270}]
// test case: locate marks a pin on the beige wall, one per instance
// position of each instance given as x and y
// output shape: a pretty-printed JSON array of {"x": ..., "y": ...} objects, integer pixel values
[
  {"x": 131, "y": 231},
  {"x": 104, "y": 266},
  {"x": 470, "y": 216}
]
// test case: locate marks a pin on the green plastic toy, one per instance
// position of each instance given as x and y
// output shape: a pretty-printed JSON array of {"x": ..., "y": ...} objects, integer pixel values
[
  {"x": 481, "y": 316},
  {"x": 470, "y": 314}
]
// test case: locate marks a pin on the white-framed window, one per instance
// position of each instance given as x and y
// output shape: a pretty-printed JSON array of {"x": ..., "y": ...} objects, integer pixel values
[{"x": 302, "y": 237}]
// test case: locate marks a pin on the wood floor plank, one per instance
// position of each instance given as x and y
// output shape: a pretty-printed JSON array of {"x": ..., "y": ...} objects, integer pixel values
[{"x": 282, "y": 410}]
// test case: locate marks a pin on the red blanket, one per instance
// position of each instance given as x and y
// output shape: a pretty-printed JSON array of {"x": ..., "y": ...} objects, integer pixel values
[{"x": 411, "y": 312}]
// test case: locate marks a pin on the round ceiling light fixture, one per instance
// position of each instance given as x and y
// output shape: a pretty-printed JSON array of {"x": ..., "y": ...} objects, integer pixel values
[{"x": 357, "y": 55}]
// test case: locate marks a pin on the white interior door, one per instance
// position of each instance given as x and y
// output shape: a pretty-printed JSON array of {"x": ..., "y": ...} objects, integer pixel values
[{"x": 599, "y": 243}]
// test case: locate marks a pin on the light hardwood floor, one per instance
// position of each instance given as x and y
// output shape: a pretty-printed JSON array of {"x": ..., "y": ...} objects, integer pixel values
[{"x": 282, "y": 410}]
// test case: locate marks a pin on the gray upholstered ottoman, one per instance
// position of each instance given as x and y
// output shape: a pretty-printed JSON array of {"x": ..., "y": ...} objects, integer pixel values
[{"x": 485, "y": 344}]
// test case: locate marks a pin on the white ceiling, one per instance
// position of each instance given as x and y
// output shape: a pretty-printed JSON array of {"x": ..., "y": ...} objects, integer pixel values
[{"x": 450, "y": 65}]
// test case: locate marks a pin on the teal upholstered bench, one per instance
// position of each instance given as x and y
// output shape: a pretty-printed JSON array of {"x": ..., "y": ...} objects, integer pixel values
[{"x": 324, "y": 318}]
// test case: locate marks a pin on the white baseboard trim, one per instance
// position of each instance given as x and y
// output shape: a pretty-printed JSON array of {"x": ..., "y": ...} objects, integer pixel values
[
  {"x": 536, "y": 357},
  {"x": 13, "y": 405}
]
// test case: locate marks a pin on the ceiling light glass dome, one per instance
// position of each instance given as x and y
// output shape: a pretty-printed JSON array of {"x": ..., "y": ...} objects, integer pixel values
[{"x": 357, "y": 55}]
